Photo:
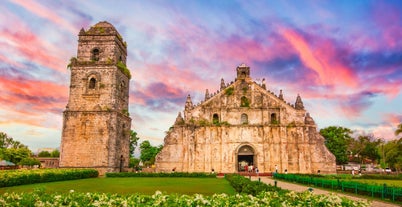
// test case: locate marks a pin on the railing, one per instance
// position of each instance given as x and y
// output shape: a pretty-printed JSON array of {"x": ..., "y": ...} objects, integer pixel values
[{"x": 380, "y": 191}]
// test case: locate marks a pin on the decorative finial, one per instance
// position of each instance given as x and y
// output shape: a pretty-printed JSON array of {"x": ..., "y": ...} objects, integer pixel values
[
  {"x": 189, "y": 104},
  {"x": 82, "y": 32},
  {"x": 206, "y": 94},
  {"x": 222, "y": 84},
  {"x": 281, "y": 95},
  {"x": 263, "y": 84},
  {"x": 299, "y": 103},
  {"x": 179, "y": 119}
]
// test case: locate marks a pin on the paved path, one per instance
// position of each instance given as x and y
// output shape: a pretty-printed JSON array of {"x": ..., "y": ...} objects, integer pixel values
[{"x": 301, "y": 188}]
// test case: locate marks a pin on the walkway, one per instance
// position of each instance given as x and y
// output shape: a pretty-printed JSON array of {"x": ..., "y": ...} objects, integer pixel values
[{"x": 301, "y": 188}]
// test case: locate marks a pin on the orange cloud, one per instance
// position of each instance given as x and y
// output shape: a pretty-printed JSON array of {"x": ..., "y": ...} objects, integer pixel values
[{"x": 31, "y": 96}]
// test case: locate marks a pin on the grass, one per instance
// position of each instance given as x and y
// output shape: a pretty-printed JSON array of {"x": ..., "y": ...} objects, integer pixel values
[
  {"x": 394, "y": 183},
  {"x": 143, "y": 185}
]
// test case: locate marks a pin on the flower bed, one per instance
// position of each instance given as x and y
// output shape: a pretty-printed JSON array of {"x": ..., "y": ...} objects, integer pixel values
[
  {"x": 22, "y": 177},
  {"x": 39, "y": 198}
]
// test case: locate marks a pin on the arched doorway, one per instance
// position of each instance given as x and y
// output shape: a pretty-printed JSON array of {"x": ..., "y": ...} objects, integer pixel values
[{"x": 245, "y": 157}]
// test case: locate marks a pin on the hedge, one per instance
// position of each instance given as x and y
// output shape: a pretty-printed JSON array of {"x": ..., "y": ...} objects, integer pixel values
[
  {"x": 244, "y": 185},
  {"x": 23, "y": 177},
  {"x": 175, "y": 174}
]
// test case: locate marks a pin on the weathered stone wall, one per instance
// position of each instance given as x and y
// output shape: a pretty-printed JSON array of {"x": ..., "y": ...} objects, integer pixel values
[
  {"x": 202, "y": 149},
  {"x": 244, "y": 114},
  {"x": 96, "y": 125}
]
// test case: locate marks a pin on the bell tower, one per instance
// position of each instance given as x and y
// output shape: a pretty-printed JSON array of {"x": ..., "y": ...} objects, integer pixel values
[{"x": 96, "y": 122}]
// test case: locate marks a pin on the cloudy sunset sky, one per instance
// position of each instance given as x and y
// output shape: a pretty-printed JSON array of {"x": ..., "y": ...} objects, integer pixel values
[{"x": 343, "y": 57}]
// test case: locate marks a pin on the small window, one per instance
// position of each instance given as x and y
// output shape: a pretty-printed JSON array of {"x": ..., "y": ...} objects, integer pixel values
[
  {"x": 274, "y": 118},
  {"x": 122, "y": 86},
  {"x": 95, "y": 54},
  {"x": 215, "y": 119},
  {"x": 244, "y": 119},
  {"x": 92, "y": 83}
]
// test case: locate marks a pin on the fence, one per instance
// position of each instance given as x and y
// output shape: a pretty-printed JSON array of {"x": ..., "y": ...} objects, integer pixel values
[{"x": 380, "y": 191}]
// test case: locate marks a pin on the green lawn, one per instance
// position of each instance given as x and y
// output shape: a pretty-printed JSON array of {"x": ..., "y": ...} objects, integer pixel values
[
  {"x": 394, "y": 183},
  {"x": 143, "y": 185}
]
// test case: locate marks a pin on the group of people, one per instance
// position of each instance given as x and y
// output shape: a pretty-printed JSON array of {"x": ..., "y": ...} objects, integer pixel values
[{"x": 250, "y": 168}]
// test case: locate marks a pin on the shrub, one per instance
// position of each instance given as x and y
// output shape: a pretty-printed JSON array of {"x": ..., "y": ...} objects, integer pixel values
[
  {"x": 244, "y": 185},
  {"x": 22, "y": 177},
  {"x": 123, "y": 68},
  {"x": 175, "y": 174},
  {"x": 29, "y": 161}
]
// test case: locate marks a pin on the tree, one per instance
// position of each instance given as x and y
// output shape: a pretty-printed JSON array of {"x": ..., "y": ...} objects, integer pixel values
[
  {"x": 134, "y": 162},
  {"x": 149, "y": 152},
  {"x": 55, "y": 153},
  {"x": 44, "y": 154},
  {"x": 366, "y": 147},
  {"x": 15, "y": 155},
  {"x": 393, "y": 155},
  {"x": 337, "y": 141},
  {"x": 398, "y": 130},
  {"x": 8, "y": 142},
  {"x": 12, "y": 150},
  {"x": 29, "y": 161},
  {"x": 133, "y": 142}
]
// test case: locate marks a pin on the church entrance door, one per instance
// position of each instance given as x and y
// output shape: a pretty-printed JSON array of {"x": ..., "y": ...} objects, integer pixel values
[{"x": 245, "y": 158}]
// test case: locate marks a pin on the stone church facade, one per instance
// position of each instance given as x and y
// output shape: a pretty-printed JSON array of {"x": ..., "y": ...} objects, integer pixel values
[
  {"x": 96, "y": 123},
  {"x": 242, "y": 124}
]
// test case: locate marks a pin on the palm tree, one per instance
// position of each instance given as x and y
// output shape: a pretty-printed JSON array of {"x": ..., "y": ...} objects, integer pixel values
[{"x": 398, "y": 130}]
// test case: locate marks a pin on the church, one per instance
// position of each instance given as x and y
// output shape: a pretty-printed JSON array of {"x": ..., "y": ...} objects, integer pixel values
[{"x": 244, "y": 124}]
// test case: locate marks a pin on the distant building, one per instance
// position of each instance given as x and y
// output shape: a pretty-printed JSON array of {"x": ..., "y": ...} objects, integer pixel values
[
  {"x": 96, "y": 123},
  {"x": 48, "y": 162},
  {"x": 244, "y": 124}
]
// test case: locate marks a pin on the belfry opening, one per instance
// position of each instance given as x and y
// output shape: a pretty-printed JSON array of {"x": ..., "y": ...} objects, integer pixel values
[{"x": 245, "y": 158}]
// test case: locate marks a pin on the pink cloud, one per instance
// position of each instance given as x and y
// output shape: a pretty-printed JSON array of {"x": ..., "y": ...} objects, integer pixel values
[
  {"x": 323, "y": 59},
  {"x": 32, "y": 48},
  {"x": 33, "y": 97},
  {"x": 393, "y": 119},
  {"x": 46, "y": 13}
]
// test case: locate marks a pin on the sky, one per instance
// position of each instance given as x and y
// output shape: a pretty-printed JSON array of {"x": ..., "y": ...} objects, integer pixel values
[{"x": 344, "y": 58}]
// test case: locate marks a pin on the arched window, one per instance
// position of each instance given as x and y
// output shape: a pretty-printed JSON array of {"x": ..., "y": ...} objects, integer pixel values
[
  {"x": 122, "y": 86},
  {"x": 274, "y": 119},
  {"x": 215, "y": 119},
  {"x": 244, "y": 119},
  {"x": 95, "y": 54},
  {"x": 244, "y": 102},
  {"x": 92, "y": 83}
]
